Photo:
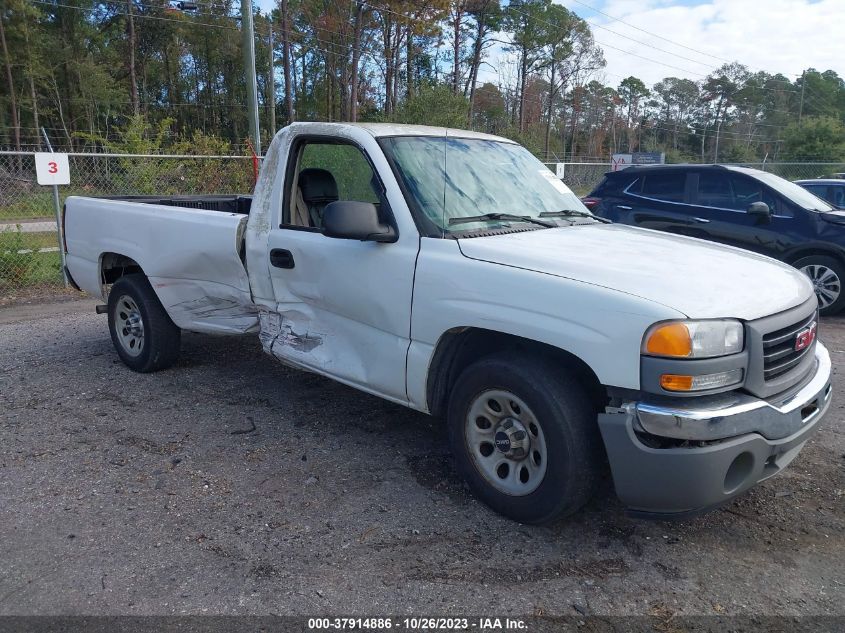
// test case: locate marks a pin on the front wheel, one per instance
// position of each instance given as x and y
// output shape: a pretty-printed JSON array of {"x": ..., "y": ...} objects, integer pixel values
[
  {"x": 827, "y": 275},
  {"x": 141, "y": 330},
  {"x": 525, "y": 437}
]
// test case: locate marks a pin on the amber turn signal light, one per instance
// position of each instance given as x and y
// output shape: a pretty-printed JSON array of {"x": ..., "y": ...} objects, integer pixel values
[
  {"x": 672, "y": 339},
  {"x": 673, "y": 382},
  {"x": 676, "y": 382}
]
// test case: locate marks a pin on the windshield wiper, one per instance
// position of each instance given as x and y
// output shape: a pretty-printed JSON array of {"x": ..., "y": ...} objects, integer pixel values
[
  {"x": 572, "y": 212},
  {"x": 501, "y": 216}
]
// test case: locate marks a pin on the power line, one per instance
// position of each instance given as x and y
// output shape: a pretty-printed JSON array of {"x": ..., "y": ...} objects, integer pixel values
[
  {"x": 665, "y": 39},
  {"x": 142, "y": 16}
]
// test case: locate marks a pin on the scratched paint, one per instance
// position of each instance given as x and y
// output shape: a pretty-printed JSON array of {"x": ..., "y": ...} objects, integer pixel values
[{"x": 278, "y": 335}]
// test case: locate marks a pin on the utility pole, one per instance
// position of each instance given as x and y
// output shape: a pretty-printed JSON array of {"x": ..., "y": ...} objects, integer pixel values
[
  {"x": 716, "y": 150},
  {"x": 271, "y": 87},
  {"x": 286, "y": 61},
  {"x": 133, "y": 79},
  {"x": 248, "y": 35},
  {"x": 801, "y": 105}
]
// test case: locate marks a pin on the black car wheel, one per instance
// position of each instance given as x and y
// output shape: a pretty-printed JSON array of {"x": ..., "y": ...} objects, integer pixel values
[{"x": 827, "y": 275}]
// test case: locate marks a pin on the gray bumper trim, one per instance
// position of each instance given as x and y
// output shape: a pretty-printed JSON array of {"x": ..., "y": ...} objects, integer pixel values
[
  {"x": 679, "y": 481},
  {"x": 731, "y": 414}
]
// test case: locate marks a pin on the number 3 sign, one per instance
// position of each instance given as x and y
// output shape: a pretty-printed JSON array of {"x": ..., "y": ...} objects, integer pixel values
[{"x": 52, "y": 169}]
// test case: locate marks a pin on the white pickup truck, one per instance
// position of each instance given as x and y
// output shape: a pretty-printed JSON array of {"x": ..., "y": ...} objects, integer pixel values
[{"x": 451, "y": 272}]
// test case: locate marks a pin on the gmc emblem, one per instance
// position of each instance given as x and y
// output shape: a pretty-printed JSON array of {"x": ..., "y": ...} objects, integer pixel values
[{"x": 805, "y": 338}]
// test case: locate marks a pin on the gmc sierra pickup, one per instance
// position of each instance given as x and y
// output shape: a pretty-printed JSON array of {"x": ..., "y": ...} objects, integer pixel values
[{"x": 451, "y": 272}]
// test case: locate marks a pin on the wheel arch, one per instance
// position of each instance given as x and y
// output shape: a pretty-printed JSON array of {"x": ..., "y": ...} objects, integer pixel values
[
  {"x": 458, "y": 347},
  {"x": 808, "y": 250},
  {"x": 113, "y": 266}
]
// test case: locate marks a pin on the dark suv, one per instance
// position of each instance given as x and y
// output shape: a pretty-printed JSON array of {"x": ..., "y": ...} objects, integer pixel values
[{"x": 741, "y": 207}]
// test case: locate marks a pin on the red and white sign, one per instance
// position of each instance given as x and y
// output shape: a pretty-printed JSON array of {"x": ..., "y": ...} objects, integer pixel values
[
  {"x": 620, "y": 161},
  {"x": 805, "y": 338},
  {"x": 52, "y": 168}
]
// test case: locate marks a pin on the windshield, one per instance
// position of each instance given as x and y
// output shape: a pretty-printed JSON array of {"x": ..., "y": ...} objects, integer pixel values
[
  {"x": 452, "y": 179},
  {"x": 792, "y": 192}
]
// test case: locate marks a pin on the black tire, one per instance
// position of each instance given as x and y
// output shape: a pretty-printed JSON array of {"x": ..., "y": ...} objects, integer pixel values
[
  {"x": 821, "y": 262},
  {"x": 160, "y": 338},
  {"x": 575, "y": 460}
]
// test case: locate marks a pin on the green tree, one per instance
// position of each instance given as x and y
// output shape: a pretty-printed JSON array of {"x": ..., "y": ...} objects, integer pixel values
[
  {"x": 816, "y": 139},
  {"x": 434, "y": 105},
  {"x": 487, "y": 15},
  {"x": 525, "y": 21},
  {"x": 632, "y": 91},
  {"x": 677, "y": 101}
]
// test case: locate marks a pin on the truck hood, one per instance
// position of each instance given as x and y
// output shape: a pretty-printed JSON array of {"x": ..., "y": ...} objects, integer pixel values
[{"x": 698, "y": 278}]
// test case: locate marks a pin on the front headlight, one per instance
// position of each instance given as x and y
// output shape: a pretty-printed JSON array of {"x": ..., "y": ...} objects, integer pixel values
[{"x": 694, "y": 339}]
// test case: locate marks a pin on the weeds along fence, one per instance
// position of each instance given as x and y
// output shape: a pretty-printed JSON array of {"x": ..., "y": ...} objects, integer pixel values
[{"x": 29, "y": 249}]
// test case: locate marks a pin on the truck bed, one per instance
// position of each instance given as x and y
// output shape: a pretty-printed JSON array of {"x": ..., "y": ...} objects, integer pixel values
[
  {"x": 191, "y": 249},
  {"x": 234, "y": 203}
]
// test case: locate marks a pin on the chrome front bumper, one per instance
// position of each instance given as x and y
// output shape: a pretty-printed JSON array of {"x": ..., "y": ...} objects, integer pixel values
[
  {"x": 731, "y": 414},
  {"x": 733, "y": 446}
]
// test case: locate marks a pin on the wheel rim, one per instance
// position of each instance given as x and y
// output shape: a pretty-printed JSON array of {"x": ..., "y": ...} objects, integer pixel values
[
  {"x": 506, "y": 442},
  {"x": 129, "y": 325},
  {"x": 826, "y": 283}
]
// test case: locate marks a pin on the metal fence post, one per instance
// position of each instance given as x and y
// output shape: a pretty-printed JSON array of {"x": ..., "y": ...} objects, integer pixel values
[{"x": 58, "y": 208}]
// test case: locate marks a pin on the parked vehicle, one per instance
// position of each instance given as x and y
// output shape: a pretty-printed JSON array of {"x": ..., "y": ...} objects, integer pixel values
[
  {"x": 831, "y": 190},
  {"x": 748, "y": 208},
  {"x": 452, "y": 273}
]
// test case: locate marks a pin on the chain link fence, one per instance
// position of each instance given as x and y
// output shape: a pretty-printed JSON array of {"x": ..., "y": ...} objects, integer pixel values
[
  {"x": 581, "y": 177},
  {"x": 29, "y": 248}
]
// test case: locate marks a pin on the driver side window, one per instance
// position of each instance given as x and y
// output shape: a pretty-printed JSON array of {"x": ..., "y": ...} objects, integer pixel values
[
  {"x": 724, "y": 190},
  {"x": 326, "y": 172},
  {"x": 747, "y": 190}
]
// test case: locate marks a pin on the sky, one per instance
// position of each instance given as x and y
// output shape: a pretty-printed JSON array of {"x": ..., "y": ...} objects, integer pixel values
[{"x": 783, "y": 36}]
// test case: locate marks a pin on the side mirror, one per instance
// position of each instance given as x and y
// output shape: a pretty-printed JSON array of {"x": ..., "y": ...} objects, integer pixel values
[
  {"x": 760, "y": 210},
  {"x": 349, "y": 220}
]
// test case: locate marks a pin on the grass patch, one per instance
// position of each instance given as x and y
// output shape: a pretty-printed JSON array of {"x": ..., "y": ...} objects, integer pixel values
[
  {"x": 35, "y": 241},
  {"x": 21, "y": 269},
  {"x": 37, "y": 203}
]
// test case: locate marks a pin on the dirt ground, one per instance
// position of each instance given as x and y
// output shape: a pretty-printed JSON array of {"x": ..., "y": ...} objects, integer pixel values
[{"x": 233, "y": 485}]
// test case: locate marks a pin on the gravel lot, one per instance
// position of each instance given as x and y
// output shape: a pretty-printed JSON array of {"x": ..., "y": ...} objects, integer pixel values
[{"x": 233, "y": 485}]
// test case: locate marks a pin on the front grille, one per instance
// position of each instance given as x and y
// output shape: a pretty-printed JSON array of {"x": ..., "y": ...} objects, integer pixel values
[{"x": 779, "y": 354}]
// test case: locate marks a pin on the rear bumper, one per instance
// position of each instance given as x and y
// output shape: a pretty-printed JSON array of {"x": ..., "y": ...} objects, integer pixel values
[{"x": 734, "y": 447}]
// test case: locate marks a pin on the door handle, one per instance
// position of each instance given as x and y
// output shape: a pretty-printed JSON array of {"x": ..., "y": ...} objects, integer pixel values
[
  {"x": 701, "y": 220},
  {"x": 623, "y": 207},
  {"x": 281, "y": 258}
]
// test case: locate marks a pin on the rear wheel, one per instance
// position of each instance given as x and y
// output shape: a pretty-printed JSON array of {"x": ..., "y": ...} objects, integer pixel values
[
  {"x": 525, "y": 437},
  {"x": 827, "y": 275},
  {"x": 142, "y": 332}
]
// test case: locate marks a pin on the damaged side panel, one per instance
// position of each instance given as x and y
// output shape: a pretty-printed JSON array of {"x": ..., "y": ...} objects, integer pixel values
[
  {"x": 192, "y": 258},
  {"x": 342, "y": 309},
  {"x": 206, "y": 306},
  {"x": 335, "y": 349},
  {"x": 206, "y": 288}
]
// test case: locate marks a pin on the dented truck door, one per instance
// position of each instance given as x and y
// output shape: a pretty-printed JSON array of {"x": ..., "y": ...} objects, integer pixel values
[{"x": 343, "y": 307}]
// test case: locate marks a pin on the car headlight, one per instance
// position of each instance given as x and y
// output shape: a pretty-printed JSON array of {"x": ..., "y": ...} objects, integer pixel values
[{"x": 694, "y": 339}]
